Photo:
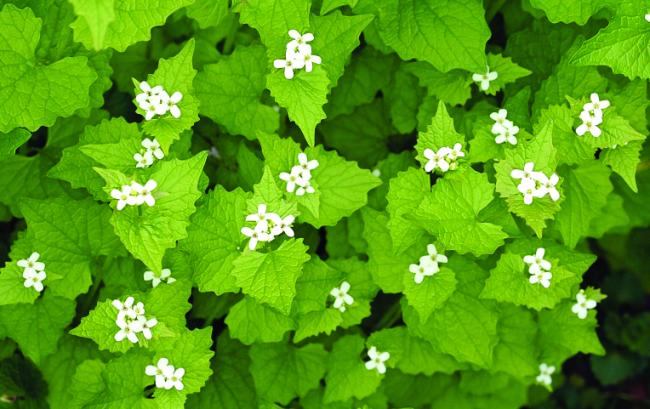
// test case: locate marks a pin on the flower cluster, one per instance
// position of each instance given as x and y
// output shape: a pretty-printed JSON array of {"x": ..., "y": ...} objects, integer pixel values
[
  {"x": 504, "y": 129},
  {"x": 33, "y": 271},
  {"x": 298, "y": 54},
  {"x": 377, "y": 360},
  {"x": 583, "y": 305},
  {"x": 484, "y": 79},
  {"x": 135, "y": 194},
  {"x": 156, "y": 101},
  {"x": 151, "y": 150},
  {"x": 592, "y": 116},
  {"x": 444, "y": 159},
  {"x": 539, "y": 269},
  {"x": 341, "y": 296},
  {"x": 299, "y": 179},
  {"x": 545, "y": 372},
  {"x": 428, "y": 265},
  {"x": 164, "y": 276},
  {"x": 267, "y": 226},
  {"x": 131, "y": 321},
  {"x": 536, "y": 184},
  {"x": 167, "y": 376}
]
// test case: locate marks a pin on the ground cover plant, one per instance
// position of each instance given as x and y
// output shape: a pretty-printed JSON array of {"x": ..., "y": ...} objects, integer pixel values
[{"x": 324, "y": 204}]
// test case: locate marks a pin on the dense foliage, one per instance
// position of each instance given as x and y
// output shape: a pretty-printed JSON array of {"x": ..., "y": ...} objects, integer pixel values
[{"x": 324, "y": 204}]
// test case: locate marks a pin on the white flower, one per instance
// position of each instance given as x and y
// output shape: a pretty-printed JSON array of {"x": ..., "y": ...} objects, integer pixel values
[
  {"x": 129, "y": 330},
  {"x": 299, "y": 42},
  {"x": 545, "y": 372},
  {"x": 596, "y": 105},
  {"x": 34, "y": 279},
  {"x": 174, "y": 378},
  {"x": 582, "y": 305},
  {"x": 284, "y": 226},
  {"x": 125, "y": 308},
  {"x": 589, "y": 124},
  {"x": 508, "y": 134},
  {"x": 306, "y": 165},
  {"x": 153, "y": 147},
  {"x": 290, "y": 63},
  {"x": 293, "y": 179},
  {"x": 485, "y": 79},
  {"x": 143, "y": 159},
  {"x": 456, "y": 152},
  {"x": 256, "y": 235},
  {"x": 158, "y": 371},
  {"x": 171, "y": 103},
  {"x": 422, "y": 270},
  {"x": 31, "y": 264},
  {"x": 647, "y": 18},
  {"x": 547, "y": 186},
  {"x": 144, "y": 192},
  {"x": 124, "y": 196},
  {"x": 377, "y": 360},
  {"x": 341, "y": 296},
  {"x": 154, "y": 105},
  {"x": 537, "y": 262},
  {"x": 165, "y": 276},
  {"x": 147, "y": 92},
  {"x": 499, "y": 117},
  {"x": 308, "y": 60},
  {"x": 433, "y": 255},
  {"x": 542, "y": 277},
  {"x": 147, "y": 324},
  {"x": 308, "y": 188},
  {"x": 525, "y": 173},
  {"x": 529, "y": 189},
  {"x": 260, "y": 217},
  {"x": 436, "y": 160}
]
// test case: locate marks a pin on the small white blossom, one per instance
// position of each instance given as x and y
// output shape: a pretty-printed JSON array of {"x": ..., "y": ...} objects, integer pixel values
[
  {"x": 34, "y": 279},
  {"x": 129, "y": 330},
  {"x": 171, "y": 103},
  {"x": 164, "y": 276},
  {"x": 308, "y": 60},
  {"x": 422, "y": 270},
  {"x": 436, "y": 160},
  {"x": 143, "y": 159},
  {"x": 341, "y": 296},
  {"x": 537, "y": 262},
  {"x": 541, "y": 277},
  {"x": 525, "y": 173},
  {"x": 535, "y": 184},
  {"x": 284, "y": 226},
  {"x": 647, "y": 17},
  {"x": 31, "y": 264},
  {"x": 147, "y": 92},
  {"x": 484, "y": 79},
  {"x": 547, "y": 186},
  {"x": 293, "y": 179},
  {"x": 260, "y": 217},
  {"x": 433, "y": 256},
  {"x": 289, "y": 63},
  {"x": 214, "y": 152},
  {"x": 545, "y": 372},
  {"x": 175, "y": 379},
  {"x": 299, "y": 178},
  {"x": 131, "y": 321},
  {"x": 153, "y": 146},
  {"x": 159, "y": 371},
  {"x": 305, "y": 189},
  {"x": 507, "y": 134},
  {"x": 306, "y": 164},
  {"x": 144, "y": 192},
  {"x": 147, "y": 324},
  {"x": 155, "y": 105},
  {"x": 299, "y": 43},
  {"x": 268, "y": 226},
  {"x": 256, "y": 235},
  {"x": 377, "y": 360},
  {"x": 298, "y": 54},
  {"x": 589, "y": 124},
  {"x": 124, "y": 196},
  {"x": 583, "y": 305},
  {"x": 596, "y": 106}
]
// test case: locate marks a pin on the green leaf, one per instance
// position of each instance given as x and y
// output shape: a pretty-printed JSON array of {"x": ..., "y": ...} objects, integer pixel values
[
  {"x": 515, "y": 354},
  {"x": 47, "y": 317},
  {"x": 174, "y": 74},
  {"x": 329, "y": 5},
  {"x": 231, "y": 385},
  {"x": 407, "y": 190},
  {"x": 439, "y": 133},
  {"x": 230, "y": 91},
  {"x": 132, "y": 22},
  {"x": 35, "y": 95},
  {"x": 451, "y": 87},
  {"x": 508, "y": 281},
  {"x": 409, "y": 27},
  {"x": 214, "y": 239},
  {"x": 570, "y": 148},
  {"x": 270, "y": 278},
  {"x": 562, "y": 334},
  {"x": 148, "y": 231},
  {"x": 167, "y": 303},
  {"x": 344, "y": 364},
  {"x": 412, "y": 355},
  {"x": 624, "y": 160},
  {"x": 253, "y": 322},
  {"x": 12, "y": 141},
  {"x": 430, "y": 294},
  {"x": 282, "y": 371},
  {"x": 573, "y": 11},
  {"x": 208, "y": 13},
  {"x": 70, "y": 236},
  {"x": 586, "y": 189},
  {"x": 450, "y": 212},
  {"x": 611, "y": 46},
  {"x": 542, "y": 153},
  {"x": 508, "y": 72}
]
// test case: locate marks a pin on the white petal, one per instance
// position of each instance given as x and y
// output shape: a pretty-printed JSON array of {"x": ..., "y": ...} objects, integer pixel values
[
  {"x": 175, "y": 111},
  {"x": 280, "y": 63},
  {"x": 288, "y": 73}
]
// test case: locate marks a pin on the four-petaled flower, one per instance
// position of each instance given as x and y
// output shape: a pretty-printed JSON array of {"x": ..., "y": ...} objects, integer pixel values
[
  {"x": 268, "y": 226},
  {"x": 535, "y": 184},
  {"x": 298, "y": 54},
  {"x": 428, "y": 265},
  {"x": 35, "y": 280},
  {"x": 164, "y": 276},
  {"x": 33, "y": 272},
  {"x": 377, "y": 360},
  {"x": 503, "y": 129},
  {"x": 156, "y": 101},
  {"x": 341, "y": 296},
  {"x": 545, "y": 372},
  {"x": 299, "y": 178},
  {"x": 592, "y": 116},
  {"x": 484, "y": 79},
  {"x": 143, "y": 159},
  {"x": 436, "y": 160},
  {"x": 537, "y": 262},
  {"x": 583, "y": 305},
  {"x": 166, "y": 376}
]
